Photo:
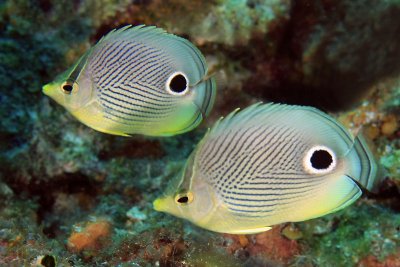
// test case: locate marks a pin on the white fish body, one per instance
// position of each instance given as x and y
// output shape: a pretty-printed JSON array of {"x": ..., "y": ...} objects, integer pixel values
[
  {"x": 137, "y": 80},
  {"x": 270, "y": 164}
]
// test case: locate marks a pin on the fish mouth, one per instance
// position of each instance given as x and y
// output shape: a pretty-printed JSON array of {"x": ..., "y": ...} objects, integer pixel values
[
  {"x": 46, "y": 89},
  {"x": 168, "y": 205},
  {"x": 165, "y": 204},
  {"x": 157, "y": 204}
]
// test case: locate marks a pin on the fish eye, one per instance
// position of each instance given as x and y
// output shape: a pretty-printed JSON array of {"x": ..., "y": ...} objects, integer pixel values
[
  {"x": 320, "y": 159},
  {"x": 177, "y": 84},
  {"x": 68, "y": 87},
  {"x": 184, "y": 198}
]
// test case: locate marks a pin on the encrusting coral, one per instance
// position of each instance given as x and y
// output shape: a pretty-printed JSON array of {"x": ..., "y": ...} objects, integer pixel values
[{"x": 77, "y": 197}]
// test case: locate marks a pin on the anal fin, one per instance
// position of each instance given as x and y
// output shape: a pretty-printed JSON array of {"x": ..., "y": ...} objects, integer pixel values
[{"x": 251, "y": 231}]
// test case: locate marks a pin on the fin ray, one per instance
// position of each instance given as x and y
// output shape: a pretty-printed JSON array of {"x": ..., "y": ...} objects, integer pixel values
[
  {"x": 362, "y": 165},
  {"x": 174, "y": 46}
]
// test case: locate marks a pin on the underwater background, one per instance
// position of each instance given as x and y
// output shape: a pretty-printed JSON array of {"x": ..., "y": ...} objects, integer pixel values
[{"x": 71, "y": 196}]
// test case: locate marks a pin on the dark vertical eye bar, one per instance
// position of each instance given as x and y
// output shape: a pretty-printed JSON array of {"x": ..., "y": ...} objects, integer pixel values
[
  {"x": 186, "y": 181},
  {"x": 78, "y": 68}
]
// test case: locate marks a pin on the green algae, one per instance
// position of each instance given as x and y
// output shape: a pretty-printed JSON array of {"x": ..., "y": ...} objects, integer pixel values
[
  {"x": 391, "y": 160},
  {"x": 31, "y": 51},
  {"x": 234, "y": 21},
  {"x": 394, "y": 102},
  {"x": 23, "y": 236},
  {"x": 344, "y": 238},
  {"x": 57, "y": 172},
  {"x": 210, "y": 257}
]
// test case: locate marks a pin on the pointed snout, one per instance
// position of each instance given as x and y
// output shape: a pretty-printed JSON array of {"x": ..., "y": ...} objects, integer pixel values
[{"x": 46, "y": 89}]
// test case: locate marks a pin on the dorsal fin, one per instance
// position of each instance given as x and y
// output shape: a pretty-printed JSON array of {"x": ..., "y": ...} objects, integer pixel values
[{"x": 185, "y": 55}]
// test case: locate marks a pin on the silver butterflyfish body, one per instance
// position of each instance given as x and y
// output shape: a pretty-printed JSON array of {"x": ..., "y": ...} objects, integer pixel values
[
  {"x": 137, "y": 80},
  {"x": 270, "y": 164}
]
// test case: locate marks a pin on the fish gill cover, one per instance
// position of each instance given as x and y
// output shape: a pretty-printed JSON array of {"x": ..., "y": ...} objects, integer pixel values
[{"x": 71, "y": 196}]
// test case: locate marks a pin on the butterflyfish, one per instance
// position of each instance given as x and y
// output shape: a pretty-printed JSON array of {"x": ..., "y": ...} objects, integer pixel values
[
  {"x": 137, "y": 80},
  {"x": 270, "y": 164}
]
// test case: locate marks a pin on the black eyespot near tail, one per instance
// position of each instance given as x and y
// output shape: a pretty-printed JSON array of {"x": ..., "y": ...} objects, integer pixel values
[
  {"x": 321, "y": 159},
  {"x": 178, "y": 83}
]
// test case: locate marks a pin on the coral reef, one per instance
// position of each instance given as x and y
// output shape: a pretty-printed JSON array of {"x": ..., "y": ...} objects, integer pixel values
[
  {"x": 71, "y": 196},
  {"x": 333, "y": 50},
  {"x": 271, "y": 246},
  {"x": 92, "y": 237},
  {"x": 227, "y": 22},
  {"x": 351, "y": 235}
]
